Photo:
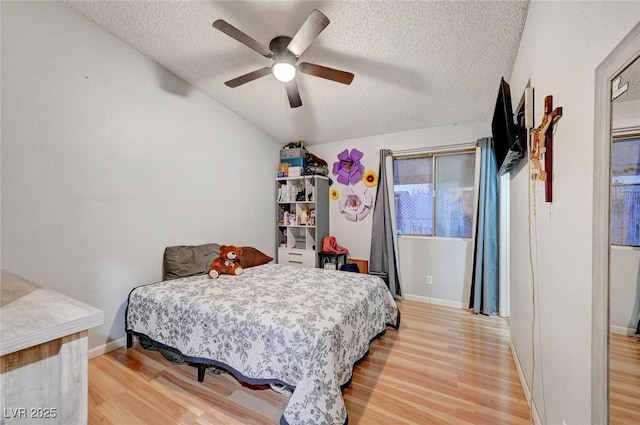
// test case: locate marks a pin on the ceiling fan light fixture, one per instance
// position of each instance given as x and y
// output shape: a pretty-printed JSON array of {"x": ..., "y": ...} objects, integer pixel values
[
  {"x": 285, "y": 52},
  {"x": 284, "y": 71}
]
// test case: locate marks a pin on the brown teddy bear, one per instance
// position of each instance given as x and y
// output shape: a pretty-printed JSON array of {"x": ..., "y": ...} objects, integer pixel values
[{"x": 227, "y": 262}]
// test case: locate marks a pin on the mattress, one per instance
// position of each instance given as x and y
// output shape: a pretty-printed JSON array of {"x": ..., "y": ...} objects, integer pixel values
[{"x": 302, "y": 327}]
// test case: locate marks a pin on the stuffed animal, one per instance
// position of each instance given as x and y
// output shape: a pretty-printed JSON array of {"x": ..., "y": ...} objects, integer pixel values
[{"x": 227, "y": 262}]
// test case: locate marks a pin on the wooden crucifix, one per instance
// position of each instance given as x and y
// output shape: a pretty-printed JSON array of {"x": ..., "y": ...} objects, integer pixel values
[{"x": 542, "y": 146}]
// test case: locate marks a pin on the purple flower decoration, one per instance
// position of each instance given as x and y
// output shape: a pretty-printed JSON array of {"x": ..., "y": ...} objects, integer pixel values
[
  {"x": 348, "y": 167},
  {"x": 356, "y": 202}
]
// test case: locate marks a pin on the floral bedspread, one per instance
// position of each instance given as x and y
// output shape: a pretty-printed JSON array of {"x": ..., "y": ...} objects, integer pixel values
[{"x": 302, "y": 327}]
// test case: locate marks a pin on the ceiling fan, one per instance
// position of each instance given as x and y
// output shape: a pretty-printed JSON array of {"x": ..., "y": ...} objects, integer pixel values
[{"x": 285, "y": 52}]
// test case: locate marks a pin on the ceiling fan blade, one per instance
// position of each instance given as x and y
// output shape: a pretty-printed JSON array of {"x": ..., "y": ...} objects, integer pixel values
[
  {"x": 293, "y": 94},
  {"x": 312, "y": 27},
  {"x": 243, "y": 38},
  {"x": 248, "y": 77},
  {"x": 327, "y": 73}
]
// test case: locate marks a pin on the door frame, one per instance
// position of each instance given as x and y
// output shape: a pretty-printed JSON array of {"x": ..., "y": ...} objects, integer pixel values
[{"x": 618, "y": 60}]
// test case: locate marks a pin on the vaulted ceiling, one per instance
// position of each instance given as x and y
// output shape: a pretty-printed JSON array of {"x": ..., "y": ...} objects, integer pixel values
[{"x": 417, "y": 64}]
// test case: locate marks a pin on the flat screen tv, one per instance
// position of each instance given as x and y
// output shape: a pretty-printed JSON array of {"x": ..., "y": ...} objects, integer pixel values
[{"x": 509, "y": 135}]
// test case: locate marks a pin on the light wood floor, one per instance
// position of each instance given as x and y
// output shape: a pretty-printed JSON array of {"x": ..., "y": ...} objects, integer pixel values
[
  {"x": 624, "y": 380},
  {"x": 444, "y": 366}
]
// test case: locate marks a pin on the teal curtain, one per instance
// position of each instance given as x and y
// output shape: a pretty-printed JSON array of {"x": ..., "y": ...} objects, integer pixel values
[{"x": 484, "y": 280}]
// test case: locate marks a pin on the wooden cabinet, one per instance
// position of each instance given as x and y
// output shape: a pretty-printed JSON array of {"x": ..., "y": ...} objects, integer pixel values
[
  {"x": 43, "y": 354},
  {"x": 302, "y": 219}
]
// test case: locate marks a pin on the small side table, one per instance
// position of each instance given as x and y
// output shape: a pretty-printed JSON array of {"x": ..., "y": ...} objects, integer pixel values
[{"x": 332, "y": 258}]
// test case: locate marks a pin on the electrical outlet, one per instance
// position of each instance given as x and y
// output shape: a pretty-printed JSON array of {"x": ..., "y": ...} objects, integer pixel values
[{"x": 429, "y": 280}]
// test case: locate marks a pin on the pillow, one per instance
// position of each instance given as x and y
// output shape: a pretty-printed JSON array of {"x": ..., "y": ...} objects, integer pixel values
[
  {"x": 188, "y": 260},
  {"x": 252, "y": 257}
]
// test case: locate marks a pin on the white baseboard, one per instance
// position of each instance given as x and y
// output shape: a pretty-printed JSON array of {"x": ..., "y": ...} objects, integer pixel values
[
  {"x": 436, "y": 301},
  {"x": 523, "y": 382},
  {"x": 109, "y": 346},
  {"x": 621, "y": 330},
  {"x": 535, "y": 416}
]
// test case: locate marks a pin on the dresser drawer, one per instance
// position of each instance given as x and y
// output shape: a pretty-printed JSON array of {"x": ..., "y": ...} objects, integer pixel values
[{"x": 297, "y": 257}]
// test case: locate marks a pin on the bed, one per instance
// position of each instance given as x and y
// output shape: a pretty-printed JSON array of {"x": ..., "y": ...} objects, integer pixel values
[{"x": 300, "y": 327}]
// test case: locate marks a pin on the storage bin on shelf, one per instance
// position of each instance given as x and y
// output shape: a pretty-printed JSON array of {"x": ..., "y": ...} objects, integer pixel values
[
  {"x": 295, "y": 161},
  {"x": 292, "y": 153}
]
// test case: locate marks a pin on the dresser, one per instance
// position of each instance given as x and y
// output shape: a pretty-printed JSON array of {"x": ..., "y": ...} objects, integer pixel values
[{"x": 43, "y": 349}]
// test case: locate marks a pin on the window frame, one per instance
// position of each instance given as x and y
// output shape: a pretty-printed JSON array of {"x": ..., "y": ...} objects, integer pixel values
[{"x": 433, "y": 154}]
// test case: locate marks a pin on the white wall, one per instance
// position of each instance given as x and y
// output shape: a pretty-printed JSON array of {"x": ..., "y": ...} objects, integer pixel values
[
  {"x": 102, "y": 168},
  {"x": 562, "y": 44},
  {"x": 0, "y": 148},
  {"x": 624, "y": 289},
  {"x": 421, "y": 256},
  {"x": 447, "y": 260}
]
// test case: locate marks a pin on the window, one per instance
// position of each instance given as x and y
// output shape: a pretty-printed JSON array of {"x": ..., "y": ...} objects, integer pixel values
[
  {"x": 434, "y": 194},
  {"x": 625, "y": 191}
]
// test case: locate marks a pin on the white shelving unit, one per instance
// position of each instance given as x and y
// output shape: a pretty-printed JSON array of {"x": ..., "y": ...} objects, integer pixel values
[{"x": 302, "y": 219}]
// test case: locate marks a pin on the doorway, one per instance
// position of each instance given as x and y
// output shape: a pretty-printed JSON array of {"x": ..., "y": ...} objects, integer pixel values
[{"x": 622, "y": 57}]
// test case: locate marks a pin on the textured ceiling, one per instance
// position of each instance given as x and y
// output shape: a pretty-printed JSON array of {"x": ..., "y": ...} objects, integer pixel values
[
  {"x": 417, "y": 64},
  {"x": 630, "y": 77}
]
